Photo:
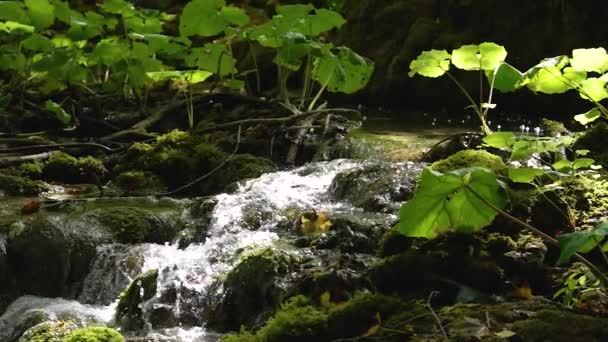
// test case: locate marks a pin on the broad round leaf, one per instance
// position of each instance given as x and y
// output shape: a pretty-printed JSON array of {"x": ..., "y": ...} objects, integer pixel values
[
  {"x": 593, "y": 89},
  {"x": 433, "y": 63},
  {"x": 592, "y": 60},
  {"x": 56, "y": 109},
  {"x": 485, "y": 56},
  {"x": 551, "y": 80},
  {"x": 506, "y": 77},
  {"x": 36, "y": 42},
  {"x": 324, "y": 20},
  {"x": 500, "y": 139},
  {"x": 215, "y": 58},
  {"x": 524, "y": 174},
  {"x": 41, "y": 12},
  {"x": 449, "y": 202},
  {"x": 14, "y": 11},
  {"x": 203, "y": 18},
  {"x": 582, "y": 241},
  {"x": 345, "y": 72},
  {"x": 588, "y": 117}
]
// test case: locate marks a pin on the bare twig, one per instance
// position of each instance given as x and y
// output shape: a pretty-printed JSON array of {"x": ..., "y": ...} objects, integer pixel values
[{"x": 437, "y": 319}]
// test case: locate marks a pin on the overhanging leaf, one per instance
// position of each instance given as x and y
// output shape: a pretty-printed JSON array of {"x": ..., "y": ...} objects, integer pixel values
[
  {"x": 506, "y": 77},
  {"x": 500, "y": 139},
  {"x": 345, "y": 71},
  {"x": 588, "y": 117},
  {"x": 582, "y": 241},
  {"x": 524, "y": 174},
  {"x": 551, "y": 80},
  {"x": 592, "y": 60},
  {"x": 433, "y": 63},
  {"x": 485, "y": 56},
  {"x": 56, "y": 109},
  {"x": 593, "y": 89},
  {"x": 447, "y": 202}
]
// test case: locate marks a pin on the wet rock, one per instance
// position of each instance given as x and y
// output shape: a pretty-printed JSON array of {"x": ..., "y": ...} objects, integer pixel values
[
  {"x": 162, "y": 316},
  {"x": 129, "y": 314},
  {"x": 39, "y": 258},
  {"x": 376, "y": 186},
  {"x": 254, "y": 286}
]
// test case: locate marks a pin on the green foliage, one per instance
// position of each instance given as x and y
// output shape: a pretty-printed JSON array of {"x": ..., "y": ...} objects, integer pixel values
[
  {"x": 94, "y": 334},
  {"x": 578, "y": 281},
  {"x": 452, "y": 202},
  {"x": 582, "y": 241},
  {"x": 467, "y": 158},
  {"x": 485, "y": 56}
]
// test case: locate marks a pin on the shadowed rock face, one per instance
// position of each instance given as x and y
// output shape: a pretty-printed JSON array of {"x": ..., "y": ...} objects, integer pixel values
[{"x": 394, "y": 32}]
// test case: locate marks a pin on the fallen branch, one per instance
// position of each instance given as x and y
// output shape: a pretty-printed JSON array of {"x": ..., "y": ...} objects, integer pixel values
[
  {"x": 281, "y": 120},
  {"x": 59, "y": 146},
  {"x": 6, "y": 161}
]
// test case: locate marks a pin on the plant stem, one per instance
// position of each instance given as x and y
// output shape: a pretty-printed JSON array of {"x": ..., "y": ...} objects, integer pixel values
[
  {"x": 547, "y": 238},
  {"x": 257, "y": 68},
  {"x": 484, "y": 127}
]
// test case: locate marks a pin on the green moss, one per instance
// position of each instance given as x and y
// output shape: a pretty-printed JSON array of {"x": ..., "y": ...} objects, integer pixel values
[
  {"x": 296, "y": 321},
  {"x": 553, "y": 128},
  {"x": 21, "y": 186},
  {"x": 595, "y": 140},
  {"x": 553, "y": 325},
  {"x": 53, "y": 331},
  {"x": 393, "y": 242},
  {"x": 586, "y": 197},
  {"x": 139, "y": 182},
  {"x": 134, "y": 225},
  {"x": 468, "y": 158},
  {"x": 94, "y": 334},
  {"x": 175, "y": 138},
  {"x": 33, "y": 169},
  {"x": 128, "y": 310},
  {"x": 66, "y": 168},
  {"x": 252, "y": 287}
]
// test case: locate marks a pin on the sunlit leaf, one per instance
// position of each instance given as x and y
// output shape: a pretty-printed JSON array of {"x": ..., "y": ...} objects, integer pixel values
[
  {"x": 41, "y": 13},
  {"x": 59, "y": 112},
  {"x": 433, "y": 63},
  {"x": 446, "y": 202},
  {"x": 582, "y": 163},
  {"x": 506, "y": 77},
  {"x": 581, "y": 241},
  {"x": 593, "y": 89},
  {"x": 11, "y": 26},
  {"x": 344, "y": 71},
  {"x": 485, "y": 56},
  {"x": 500, "y": 139},
  {"x": 592, "y": 60},
  {"x": 588, "y": 117},
  {"x": 524, "y": 174}
]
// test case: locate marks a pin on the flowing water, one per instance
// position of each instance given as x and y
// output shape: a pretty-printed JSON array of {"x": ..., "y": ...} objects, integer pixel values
[{"x": 196, "y": 267}]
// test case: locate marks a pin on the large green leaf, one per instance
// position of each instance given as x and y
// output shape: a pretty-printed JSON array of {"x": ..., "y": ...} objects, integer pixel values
[
  {"x": 433, "y": 63},
  {"x": 582, "y": 241},
  {"x": 591, "y": 60},
  {"x": 190, "y": 76},
  {"x": 344, "y": 71},
  {"x": 209, "y": 18},
  {"x": 215, "y": 58},
  {"x": 552, "y": 80},
  {"x": 59, "y": 112},
  {"x": 506, "y": 77},
  {"x": 485, "y": 56},
  {"x": 588, "y": 117},
  {"x": 449, "y": 202},
  {"x": 524, "y": 174},
  {"x": 41, "y": 13},
  {"x": 109, "y": 51},
  {"x": 14, "y": 11},
  {"x": 500, "y": 139},
  {"x": 325, "y": 20},
  {"x": 593, "y": 89},
  {"x": 37, "y": 43}
]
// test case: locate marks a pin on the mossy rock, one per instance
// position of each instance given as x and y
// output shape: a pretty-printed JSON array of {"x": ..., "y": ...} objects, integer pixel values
[
  {"x": 377, "y": 186},
  {"x": 52, "y": 331},
  {"x": 65, "y": 168},
  {"x": 94, "y": 334},
  {"x": 128, "y": 311},
  {"x": 139, "y": 183},
  {"x": 21, "y": 186},
  {"x": 595, "y": 140},
  {"x": 178, "y": 158},
  {"x": 469, "y": 158},
  {"x": 253, "y": 287},
  {"x": 134, "y": 224}
]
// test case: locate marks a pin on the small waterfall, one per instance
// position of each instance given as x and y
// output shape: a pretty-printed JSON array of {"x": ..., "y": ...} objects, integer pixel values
[{"x": 192, "y": 270}]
